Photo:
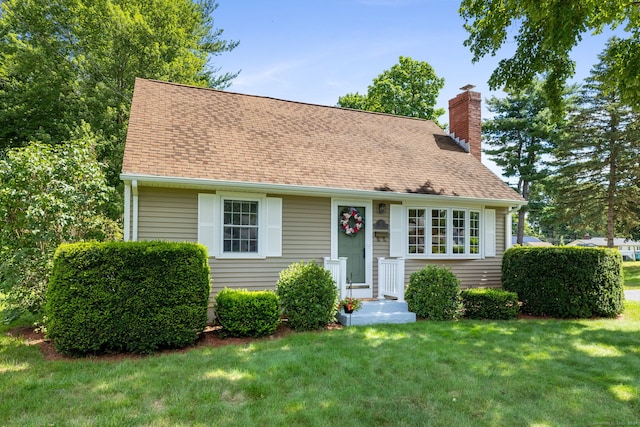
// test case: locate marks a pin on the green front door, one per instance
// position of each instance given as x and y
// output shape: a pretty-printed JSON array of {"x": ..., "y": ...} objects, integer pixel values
[{"x": 351, "y": 242}]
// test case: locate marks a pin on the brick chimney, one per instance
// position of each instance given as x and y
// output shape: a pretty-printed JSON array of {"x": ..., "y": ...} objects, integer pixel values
[{"x": 465, "y": 123}]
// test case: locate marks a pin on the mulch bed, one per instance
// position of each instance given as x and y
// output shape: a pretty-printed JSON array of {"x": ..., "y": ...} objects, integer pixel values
[{"x": 212, "y": 337}]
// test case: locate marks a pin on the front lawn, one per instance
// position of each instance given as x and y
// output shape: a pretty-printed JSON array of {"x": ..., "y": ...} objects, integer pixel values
[
  {"x": 466, "y": 373},
  {"x": 631, "y": 274}
]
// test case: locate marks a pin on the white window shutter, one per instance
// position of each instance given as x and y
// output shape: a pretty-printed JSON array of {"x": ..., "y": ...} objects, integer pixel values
[
  {"x": 207, "y": 205},
  {"x": 489, "y": 232},
  {"x": 274, "y": 227},
  {"x": 396, "y": 230}
]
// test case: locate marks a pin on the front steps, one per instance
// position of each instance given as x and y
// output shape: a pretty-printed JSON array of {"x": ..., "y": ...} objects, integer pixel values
[{"x": 378, "y": 311}]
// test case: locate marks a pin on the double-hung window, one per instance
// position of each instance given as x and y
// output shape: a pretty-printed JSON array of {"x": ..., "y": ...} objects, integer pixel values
[
  {"x": 241, "y": 225},
  {"x": 417, "y": 231},
  {"x": 439, "y": 231},
  {"x": 474, "y": 232}
]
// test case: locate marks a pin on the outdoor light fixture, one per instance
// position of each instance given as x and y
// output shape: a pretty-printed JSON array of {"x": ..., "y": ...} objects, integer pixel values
[{"x": 382, "y": 208}]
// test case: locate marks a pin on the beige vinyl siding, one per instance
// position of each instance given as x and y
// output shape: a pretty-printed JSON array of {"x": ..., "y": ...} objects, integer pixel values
[
  {"x": 172, "y": 214},
  {"x": 306, "y": 235},
  {"x": 167, "y": 214},
  {"x": 472, "y": 273}
]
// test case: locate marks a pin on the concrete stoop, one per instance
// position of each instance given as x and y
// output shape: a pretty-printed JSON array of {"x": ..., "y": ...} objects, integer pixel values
[{"x": 378, "y": 311}]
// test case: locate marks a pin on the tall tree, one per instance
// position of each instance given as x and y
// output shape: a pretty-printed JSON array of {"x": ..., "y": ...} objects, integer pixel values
[
  {"x": 545, "y": 32},
  {"x": 410, "y": 88},
  {"x": 549, "y": 219},
  {"x": 521, "y": 132},
  {"x": 598, "y": 172},
  {"x": 67, "y": 61}
]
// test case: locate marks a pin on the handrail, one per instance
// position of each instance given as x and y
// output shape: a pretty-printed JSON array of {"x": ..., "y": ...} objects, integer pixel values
[
  {"x": 391, "y": 278},
  {"x": 338, "y": 269}
]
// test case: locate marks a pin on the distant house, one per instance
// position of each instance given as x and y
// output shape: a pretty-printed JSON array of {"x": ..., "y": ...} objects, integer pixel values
[
  {"x": 629, "y": 249},
  {"x": 263, "y": 183},
  {"x": 529, "y": 241}
]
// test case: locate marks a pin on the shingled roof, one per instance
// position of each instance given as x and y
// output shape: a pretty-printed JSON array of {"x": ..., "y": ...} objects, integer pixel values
[{"x": 178, "y": 131}]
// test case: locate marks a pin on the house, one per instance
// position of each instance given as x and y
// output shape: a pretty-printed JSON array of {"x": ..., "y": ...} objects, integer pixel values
[
  {"x": 263, "y": 183},
  {"x": 629, "y": 249},
  {"x": 529, "y": 241}
]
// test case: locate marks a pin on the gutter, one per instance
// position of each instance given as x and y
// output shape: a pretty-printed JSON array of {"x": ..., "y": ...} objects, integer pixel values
[{"x": 301, "y": 190}]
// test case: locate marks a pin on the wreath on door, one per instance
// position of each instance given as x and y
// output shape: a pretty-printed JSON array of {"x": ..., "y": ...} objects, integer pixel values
[{"x": 351, "y": 222}]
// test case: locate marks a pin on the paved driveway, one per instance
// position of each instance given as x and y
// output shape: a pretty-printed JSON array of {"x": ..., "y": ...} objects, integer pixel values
[{"x": 632, "y": 295}]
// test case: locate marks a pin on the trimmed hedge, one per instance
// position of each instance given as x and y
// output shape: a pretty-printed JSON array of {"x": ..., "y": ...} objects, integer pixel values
[
  {"x": 244, "y": 313},
  {"x": 486, "y": 303},
  {"x": 127, "y": 296},
  {"x": 567, "y": 282},
  {"x": 434, "y": 293},
  {"x": 308, "y": 296}
]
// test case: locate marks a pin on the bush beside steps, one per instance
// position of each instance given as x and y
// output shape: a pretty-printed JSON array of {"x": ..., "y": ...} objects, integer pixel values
[
  {"x": 434, "y": 293},
  {"x": 308, "y": 296}
]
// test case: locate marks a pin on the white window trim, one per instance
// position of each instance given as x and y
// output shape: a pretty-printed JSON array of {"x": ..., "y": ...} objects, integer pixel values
[
  {"x": 211, "y": 229},
  {"x": 449, "y": 230}
]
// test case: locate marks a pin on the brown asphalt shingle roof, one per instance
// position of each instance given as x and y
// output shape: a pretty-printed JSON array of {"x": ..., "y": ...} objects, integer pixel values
[{"x": 189, "y": 132}]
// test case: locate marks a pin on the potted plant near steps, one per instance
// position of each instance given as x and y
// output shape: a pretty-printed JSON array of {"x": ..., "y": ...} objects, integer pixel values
[{"x": 349, "y": 304}]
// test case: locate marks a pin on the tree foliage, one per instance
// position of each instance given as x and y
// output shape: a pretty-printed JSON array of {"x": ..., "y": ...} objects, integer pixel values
[
  {"x": 67, "y": 70},
  {"x": 551, "y": 220},
  {"x": 598, "y": 172},
  {"x": 521, "y": 133},
  {"x": 48, "y": 195},
  {"x": 67, "y": 61},
  {"x": 410, "y": 88},
  {"x": 546, "y": 33}
]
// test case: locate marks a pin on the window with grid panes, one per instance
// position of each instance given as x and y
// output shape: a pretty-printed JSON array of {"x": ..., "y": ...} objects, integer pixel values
[
  {"x": 458, "y": 231},
  {"x": 240, "y": 226},
  {"x": 417, "y": 220},
  {"x": 474, "y": 232},
  {"x": 452, "y": 232},
  {"x": 438, "y": 231}
]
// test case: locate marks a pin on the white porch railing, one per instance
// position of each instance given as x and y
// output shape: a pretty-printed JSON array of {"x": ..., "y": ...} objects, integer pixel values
[
  {"x": 338, "y": 269},
  {"x": 391, "y": 278}
]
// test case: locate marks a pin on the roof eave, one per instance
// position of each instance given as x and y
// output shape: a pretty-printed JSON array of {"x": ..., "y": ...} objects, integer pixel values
[{"x": 301, "y": 190}]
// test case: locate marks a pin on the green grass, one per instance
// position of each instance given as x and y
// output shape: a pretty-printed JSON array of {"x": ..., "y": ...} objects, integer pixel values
[
  {"x": 466, "y": 373},
  {"x": 631, "y": 274}
]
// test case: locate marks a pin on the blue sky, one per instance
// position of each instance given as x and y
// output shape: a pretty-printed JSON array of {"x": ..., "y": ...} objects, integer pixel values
[{"x": 317, "y": 50}]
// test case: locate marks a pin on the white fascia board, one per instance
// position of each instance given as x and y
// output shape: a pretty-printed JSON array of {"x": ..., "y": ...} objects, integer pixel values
[{"x": 301, "y": 190}]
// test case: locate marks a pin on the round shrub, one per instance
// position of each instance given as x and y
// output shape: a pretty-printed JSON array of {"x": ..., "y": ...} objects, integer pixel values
[
  {"x": 434, "y": 293},
  {"x": 485, "y": 303},
  {"x": 244, "y": 313},
  {"x": 308, "y": 296}
]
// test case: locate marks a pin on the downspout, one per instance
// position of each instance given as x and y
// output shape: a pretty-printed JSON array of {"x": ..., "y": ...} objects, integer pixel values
[
  {"x": 127, "y": 211},
  {"x": 134, "y": 187}
]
